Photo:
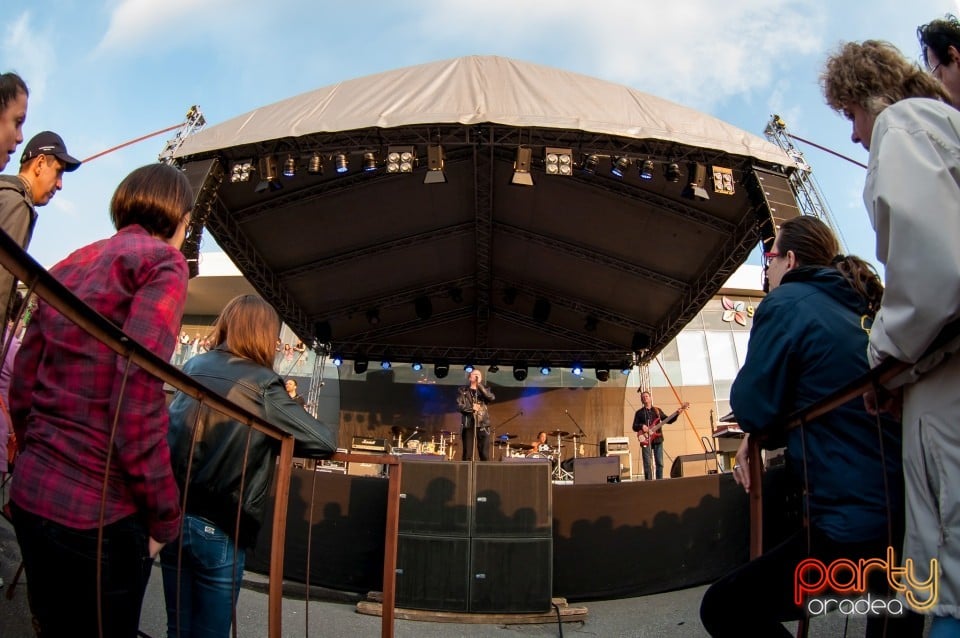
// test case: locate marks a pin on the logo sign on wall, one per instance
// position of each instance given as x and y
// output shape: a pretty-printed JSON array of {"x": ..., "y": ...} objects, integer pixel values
[{"x": 737, "y": 311}]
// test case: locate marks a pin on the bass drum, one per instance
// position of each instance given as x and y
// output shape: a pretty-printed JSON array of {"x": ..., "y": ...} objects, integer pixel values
[{"x": 539, "y": 455}]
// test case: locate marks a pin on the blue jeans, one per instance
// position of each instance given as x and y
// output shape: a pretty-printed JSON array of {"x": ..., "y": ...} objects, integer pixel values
[
  {"x": 61, "y": 566},
  {"x": 650, "y": 454},
  {"x": 209, "y": 580}
]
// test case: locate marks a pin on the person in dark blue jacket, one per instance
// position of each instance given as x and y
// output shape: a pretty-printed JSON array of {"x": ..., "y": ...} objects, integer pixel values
[{"x": 809, "y": 338}]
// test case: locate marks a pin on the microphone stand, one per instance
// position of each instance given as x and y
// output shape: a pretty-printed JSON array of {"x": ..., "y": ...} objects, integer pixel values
[
  {"x": 582, "y": 433},
  {"x": 493, "y": 433}
]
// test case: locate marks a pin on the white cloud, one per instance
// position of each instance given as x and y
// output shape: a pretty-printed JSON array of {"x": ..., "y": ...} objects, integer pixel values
[
  {"x": 19, "y": 37},
  {"x": 137, "y": 25},
  {"x": 695, "y": 51}
]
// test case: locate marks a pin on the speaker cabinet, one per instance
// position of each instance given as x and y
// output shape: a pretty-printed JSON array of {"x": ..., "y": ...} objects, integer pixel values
[
  {"x": 596, "y": 469},
  {"x": 432, "y": 572},
  {"x": 513, "y": 499},
  {"x": 626, "y": 464},
  {"x": 435, "y": 498},
  {"x": 511, "y": 575},
  {"x": 694, "y": 465},
  {"x": 364, "y": 469}
]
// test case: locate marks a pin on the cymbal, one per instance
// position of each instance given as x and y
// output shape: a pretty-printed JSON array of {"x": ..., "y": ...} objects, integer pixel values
[
  {"x": 558, "y": 433},
  {"x": 522, "y": 446},
  {"x": 503, "y": 444},
  {"x": 504, "y": 437},
  {"x": 573, "y": 437}
]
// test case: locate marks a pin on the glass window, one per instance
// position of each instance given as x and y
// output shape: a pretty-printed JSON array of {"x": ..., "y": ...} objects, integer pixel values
[
  {"x": 694, "y": 361},
  {"x": 723, "y": 355},
  {"x": 740, "y": 340}
]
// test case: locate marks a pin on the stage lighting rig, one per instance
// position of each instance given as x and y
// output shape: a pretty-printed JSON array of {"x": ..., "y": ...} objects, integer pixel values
[
  {"x": 435, "y": 161},
  {"x": 521, "y": 167},
  {"x": 558, "y": 161}
]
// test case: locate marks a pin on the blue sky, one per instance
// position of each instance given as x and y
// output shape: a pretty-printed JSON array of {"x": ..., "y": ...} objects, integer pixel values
[{"x": 104, "y": 72}]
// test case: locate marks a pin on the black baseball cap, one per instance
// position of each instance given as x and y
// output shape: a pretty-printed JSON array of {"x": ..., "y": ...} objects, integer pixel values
[{"x": 49, "y": 143}]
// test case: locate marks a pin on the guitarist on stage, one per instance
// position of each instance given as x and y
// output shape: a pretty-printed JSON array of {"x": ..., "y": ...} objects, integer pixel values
[{"x": 647, "y": 423}]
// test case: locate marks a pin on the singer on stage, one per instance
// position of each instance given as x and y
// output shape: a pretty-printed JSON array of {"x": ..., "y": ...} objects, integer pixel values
[{"x": 472, "y": 400}]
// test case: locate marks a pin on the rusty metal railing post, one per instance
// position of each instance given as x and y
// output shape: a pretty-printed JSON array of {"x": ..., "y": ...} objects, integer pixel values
[
  {"x": 279, "y": 533},
  {"x": 390, "y": 551}
]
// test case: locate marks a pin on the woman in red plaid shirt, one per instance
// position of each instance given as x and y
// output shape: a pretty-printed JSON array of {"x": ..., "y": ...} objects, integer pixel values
[{"x": 68, "y": 390}]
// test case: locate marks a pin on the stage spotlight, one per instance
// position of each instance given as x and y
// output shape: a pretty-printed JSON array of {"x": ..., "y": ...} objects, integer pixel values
[
  {"x": 360, "y": 364},
  {"x": 435, "y": 160},
  {"x": 337, "y": 360},
  {"x": 400, "y": 159},
  {"x": 590, "y": 325},
  {"x": 268, "y": 175},
  {"x": 646, "y": 169},
  {"x": 289, "y": 166},
  {"x": 386, "y": 365},
  {"x": 541, "y": 310},
  {"x": 520, "y": 370},
  {"x": 373, "y": 316},
  {"x": 369, "y": 162},
  {"x": 315, "y": 165},
  {"x": 521, "y": 167},
  {"x": 341, "y": 162},
  {"x": 493, "y": 369},
  {"x": 590, "y": 164},
  {"x": 626, "y": 366},
  {"x": 722, "y": 180},
  {"x": 673, "y": 172},
  {"x": 441, "y": 370},
  {"x": 577, "y": 369},
  {"x": 620, "y": 166},
  {"x": 240, "y": 171},
  {"x": 468, "y": 368},
  {"x": 544, "y": 368},
  {"x": 416, "y": 366},
  {"x": 698, "y": 179},
  {"x": 423, "y": 307},
  {"x": 602, "y": 372},
  {"x": 558, "y": 161}
]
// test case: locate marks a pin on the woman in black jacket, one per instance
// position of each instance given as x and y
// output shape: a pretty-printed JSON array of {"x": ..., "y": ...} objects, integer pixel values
[{"x": 240, "y": 368}]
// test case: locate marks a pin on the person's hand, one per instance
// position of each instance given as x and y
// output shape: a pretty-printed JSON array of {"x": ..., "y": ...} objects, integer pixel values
[
  {"x": 741, "y": 464},
  {"x": 154, "y": 546},
  {"x": 476, "y": 407},
  {"x": 877, "y": 401}
]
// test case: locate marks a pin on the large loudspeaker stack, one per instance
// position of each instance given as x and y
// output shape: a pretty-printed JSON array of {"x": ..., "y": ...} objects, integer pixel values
[{"x": 475, "y": 538}]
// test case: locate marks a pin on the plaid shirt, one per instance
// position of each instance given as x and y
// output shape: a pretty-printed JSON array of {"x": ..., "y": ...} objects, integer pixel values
[{"x": 66, "y": 391}]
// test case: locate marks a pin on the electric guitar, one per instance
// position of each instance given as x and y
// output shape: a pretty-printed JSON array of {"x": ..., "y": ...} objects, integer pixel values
[{"x": 652, "y": 434}]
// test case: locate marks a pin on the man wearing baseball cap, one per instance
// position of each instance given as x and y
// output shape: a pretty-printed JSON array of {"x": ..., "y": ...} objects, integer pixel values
[{"x": 42, "y": 165}]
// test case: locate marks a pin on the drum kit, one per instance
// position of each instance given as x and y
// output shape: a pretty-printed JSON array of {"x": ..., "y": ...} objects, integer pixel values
[
  {"x": 442, "y": 443},
  {"x": 509, "y": 449}
]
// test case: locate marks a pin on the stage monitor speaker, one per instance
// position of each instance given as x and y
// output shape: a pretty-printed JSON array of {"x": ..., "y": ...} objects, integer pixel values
[
  {"x": 626, "y": 464},
  {"x": 694, "y": 465},
  {"x": 513, "y": 499},
  {"x": 511, "y": 575},
  {"x": 432, "y": 572},
  {"x": 435, "y": 498},
  {"x": 596, "y": 469}
]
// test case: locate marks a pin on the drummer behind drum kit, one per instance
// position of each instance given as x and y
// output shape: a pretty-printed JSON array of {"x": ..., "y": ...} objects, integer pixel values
[
  {"x": 544, "y": 451},
  {"x": 441, "y": 443}
]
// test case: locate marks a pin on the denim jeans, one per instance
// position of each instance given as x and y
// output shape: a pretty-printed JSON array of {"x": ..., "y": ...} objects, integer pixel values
[
  {"x": 61, "y": 567},
  {"x": 209, "y": 580},
  {"x": 650, "y": 454}
]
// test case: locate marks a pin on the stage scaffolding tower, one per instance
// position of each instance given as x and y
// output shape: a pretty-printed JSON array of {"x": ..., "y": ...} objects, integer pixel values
[
  {"x": 193, "y": 123},
  {"x": 809, "y": 198}
]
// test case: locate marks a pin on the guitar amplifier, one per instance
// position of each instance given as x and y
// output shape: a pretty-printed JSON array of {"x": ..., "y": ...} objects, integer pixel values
[
  {"x": 366, "y": 444},
  {"x": 614, "y": 445}
]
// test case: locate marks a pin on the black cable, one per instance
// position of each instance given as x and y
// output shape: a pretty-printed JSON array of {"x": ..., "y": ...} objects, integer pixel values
[{"x": 559, "y": 622}]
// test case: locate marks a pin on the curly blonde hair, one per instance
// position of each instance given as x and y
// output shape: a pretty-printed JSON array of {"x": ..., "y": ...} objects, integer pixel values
[{"x": 873, "y": 74}]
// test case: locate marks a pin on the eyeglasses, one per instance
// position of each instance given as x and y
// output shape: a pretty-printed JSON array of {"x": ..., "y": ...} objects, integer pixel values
[
  {"x": 768, "y": 257},
  {"x": 933, "y": 71}
]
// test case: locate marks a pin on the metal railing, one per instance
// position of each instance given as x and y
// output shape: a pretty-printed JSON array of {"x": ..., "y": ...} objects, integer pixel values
[{"x": 40, "y": 283}]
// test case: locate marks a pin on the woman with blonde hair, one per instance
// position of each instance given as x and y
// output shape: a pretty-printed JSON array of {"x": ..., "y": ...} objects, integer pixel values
[
  {"x": 211, "y": 552},
  {"x": 912, "y": 195}
]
